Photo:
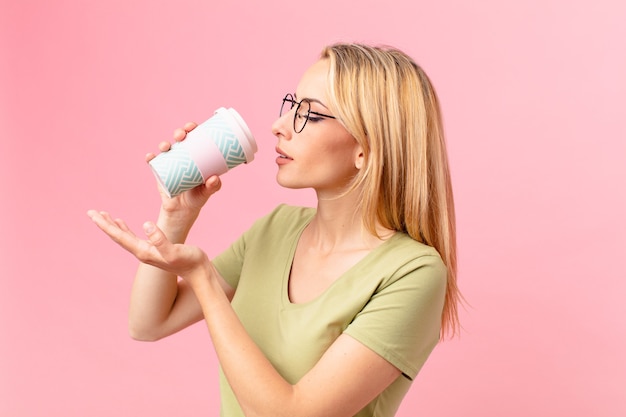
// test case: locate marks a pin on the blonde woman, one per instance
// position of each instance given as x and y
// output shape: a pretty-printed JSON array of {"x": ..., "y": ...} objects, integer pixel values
[{"x": 325, "y": 311}]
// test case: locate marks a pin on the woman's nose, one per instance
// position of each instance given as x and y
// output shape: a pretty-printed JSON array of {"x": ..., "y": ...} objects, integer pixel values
[{"x": 281, "y": 126}]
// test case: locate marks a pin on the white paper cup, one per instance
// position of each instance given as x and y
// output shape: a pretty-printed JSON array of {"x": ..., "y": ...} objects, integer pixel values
[{"x": 212, "y": 148}]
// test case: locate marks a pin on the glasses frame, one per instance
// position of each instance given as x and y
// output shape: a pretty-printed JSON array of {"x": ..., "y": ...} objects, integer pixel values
[{"x": 289, "y": 98}]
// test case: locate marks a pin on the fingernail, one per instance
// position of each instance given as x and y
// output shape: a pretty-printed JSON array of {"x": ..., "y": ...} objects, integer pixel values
[{"x": 148, "y": 227}]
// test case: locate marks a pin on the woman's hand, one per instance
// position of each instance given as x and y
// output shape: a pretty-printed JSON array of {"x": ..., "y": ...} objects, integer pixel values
[
  {"x": 186, "y": 261},
  {"x": 189, "y": 202}
]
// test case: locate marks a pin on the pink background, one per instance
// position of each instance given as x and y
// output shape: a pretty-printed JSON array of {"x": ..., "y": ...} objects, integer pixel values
[{"x": 533, "y": 96}]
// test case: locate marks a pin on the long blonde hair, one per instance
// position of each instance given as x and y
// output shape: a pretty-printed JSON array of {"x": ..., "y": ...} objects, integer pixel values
[{"x": 387, "y": 102}]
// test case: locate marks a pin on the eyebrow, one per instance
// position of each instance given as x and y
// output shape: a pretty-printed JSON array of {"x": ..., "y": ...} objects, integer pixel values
[{"x": 313, "y": 100}]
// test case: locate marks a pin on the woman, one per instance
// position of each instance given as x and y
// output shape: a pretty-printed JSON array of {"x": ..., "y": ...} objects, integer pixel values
[{"x": 329, "y": 311}]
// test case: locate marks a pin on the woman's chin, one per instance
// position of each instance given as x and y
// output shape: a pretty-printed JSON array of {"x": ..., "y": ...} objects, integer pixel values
[{"x": 290, "y": 182}]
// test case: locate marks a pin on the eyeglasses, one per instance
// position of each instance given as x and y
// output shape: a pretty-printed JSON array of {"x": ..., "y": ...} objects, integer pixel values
[{"x": 303, "y": 112}]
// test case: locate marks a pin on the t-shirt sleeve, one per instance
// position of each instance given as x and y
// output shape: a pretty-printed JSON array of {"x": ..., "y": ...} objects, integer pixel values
[
  {"x": 229, "y": 262},
  {"x": 402, "y": 320},
  {"x": 266, "y": 234}
]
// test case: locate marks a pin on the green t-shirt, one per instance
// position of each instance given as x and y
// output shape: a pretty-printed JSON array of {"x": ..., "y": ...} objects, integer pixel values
[{"x": 391, "y": 301}]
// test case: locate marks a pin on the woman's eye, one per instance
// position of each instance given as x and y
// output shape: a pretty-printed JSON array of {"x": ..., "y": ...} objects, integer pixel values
[{"x": 315, "y": 119}]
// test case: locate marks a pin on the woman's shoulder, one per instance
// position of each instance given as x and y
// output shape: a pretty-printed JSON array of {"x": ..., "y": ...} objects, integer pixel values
[
  {"x": 284, "y": 218},
  {"x": 401, "y": 243},
  {"x": 401, "y": 254},
  {"x": 286, "y": 214}
]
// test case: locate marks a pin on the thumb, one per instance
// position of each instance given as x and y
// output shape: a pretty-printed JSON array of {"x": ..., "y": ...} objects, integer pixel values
[
  {"x": 176, "y": 258},
  {"x": 212, "y": 185},
  {"x": 156, "y": 237}
]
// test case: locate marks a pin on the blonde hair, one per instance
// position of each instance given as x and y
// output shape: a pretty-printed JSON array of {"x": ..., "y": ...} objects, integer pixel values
[{"x": 387, "y": 102}]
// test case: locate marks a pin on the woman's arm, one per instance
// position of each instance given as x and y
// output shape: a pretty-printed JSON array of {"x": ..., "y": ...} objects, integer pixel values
[
  {"x": 160, "y": 304},
  {"x": 347, "y": 377}
]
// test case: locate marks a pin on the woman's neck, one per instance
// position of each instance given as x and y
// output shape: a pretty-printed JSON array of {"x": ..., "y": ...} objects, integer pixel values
[{"x": 338, "y": 224}]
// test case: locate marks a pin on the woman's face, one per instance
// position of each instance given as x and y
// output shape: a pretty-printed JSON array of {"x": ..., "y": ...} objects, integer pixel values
[{"x": 323, "y": 156}]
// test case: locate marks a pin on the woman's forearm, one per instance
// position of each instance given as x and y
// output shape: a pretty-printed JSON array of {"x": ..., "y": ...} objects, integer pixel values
[
  {"x": 155, "y": 292},
  {"x": 260, "y": 389},
  {"x": 344, "y": 380},
  {"x": 163, "y": 304},
  {"x": 152, "y": 297}
]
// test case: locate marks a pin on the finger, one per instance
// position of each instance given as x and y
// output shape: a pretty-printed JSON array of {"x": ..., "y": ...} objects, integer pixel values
[
  {"x": 122, "y": 225},
  {"x": 105, "y": 217},
  {"x": 141, "y": 249},
  {"x": 164, "y": 146},
  {"x": 179, "y": 134},
  {"x": 115, "y": 228},
  {"x": 103, "y": 220},
  {"x": 114, "y": 222},
  {"x": 158, "y": 239},
  {"x": 155, "y": 235},
  {"x": 213, "y": 184},
  {"x": 150, "y": 156},
  {"x": 189, "y": 126},
  {"x": 176, "y": 258}
]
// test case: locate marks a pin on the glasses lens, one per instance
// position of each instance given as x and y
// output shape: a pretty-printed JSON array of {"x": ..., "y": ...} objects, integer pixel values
[
  {"x": 288, "y": 103},
  {"x": 301, "y": 116}
]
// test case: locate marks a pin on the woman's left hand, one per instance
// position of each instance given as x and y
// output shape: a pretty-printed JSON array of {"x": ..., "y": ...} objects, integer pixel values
[{"x": 182, "y": 260}]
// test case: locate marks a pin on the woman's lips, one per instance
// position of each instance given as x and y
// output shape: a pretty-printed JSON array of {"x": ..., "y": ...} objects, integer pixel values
[{"x": 282, "y": 158}]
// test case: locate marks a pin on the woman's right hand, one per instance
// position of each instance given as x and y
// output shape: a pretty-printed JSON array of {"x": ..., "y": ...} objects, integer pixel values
[{"x": 189, "y": 203}]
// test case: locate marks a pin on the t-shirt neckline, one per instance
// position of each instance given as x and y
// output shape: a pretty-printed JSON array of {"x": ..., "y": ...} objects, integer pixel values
[{"x": 289, "y": 263}]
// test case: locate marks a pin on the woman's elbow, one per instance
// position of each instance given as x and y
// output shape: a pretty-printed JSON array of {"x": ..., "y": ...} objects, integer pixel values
[{"x": 142, "y": 333}]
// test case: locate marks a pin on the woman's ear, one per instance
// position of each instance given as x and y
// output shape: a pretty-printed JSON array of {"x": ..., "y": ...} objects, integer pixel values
[{"x": 360, "y": 159}]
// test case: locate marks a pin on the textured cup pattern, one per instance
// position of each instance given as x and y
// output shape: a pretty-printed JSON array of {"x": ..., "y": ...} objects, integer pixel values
[
  {"x": 178, "y": 172},
  {"x": 227, "y": 142}
]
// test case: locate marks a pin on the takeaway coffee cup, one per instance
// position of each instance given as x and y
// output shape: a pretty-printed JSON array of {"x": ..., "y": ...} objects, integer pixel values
[{"x": 212, "y": 148}]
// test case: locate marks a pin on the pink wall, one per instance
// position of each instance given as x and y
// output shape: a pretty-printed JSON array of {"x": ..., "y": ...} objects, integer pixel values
[{"x": 533, "y": 96}]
